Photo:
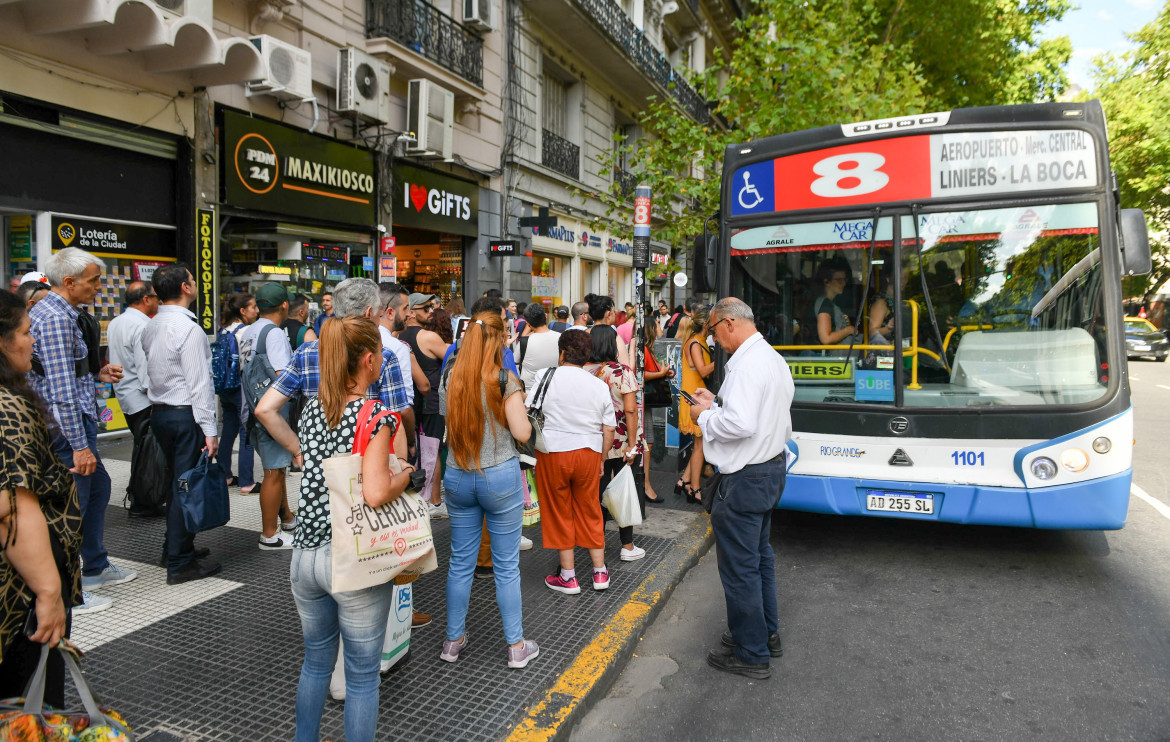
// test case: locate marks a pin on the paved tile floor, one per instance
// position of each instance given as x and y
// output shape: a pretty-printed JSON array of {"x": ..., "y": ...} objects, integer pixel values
[{"x": 219, "y": 659}]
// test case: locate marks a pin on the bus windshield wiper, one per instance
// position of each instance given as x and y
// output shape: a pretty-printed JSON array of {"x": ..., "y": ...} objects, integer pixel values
[{"x": 925, "y": 291}]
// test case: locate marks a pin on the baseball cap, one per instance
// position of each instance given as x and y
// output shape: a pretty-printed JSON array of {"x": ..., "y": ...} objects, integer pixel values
[
  {"x": 417, "y": 300},
  {"x": 35, "y": 276},
  {"x": 562, "y": 311},
  {"x": 271, "y": 296}
]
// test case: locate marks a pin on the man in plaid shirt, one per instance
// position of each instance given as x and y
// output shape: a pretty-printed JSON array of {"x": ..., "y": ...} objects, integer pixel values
[
  {"x": 63, "y": 375},
  {"x": 353, "y": 296}
]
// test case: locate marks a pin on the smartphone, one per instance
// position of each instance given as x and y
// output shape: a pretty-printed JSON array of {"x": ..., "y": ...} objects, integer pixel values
[{"x": 690, "y": 400}]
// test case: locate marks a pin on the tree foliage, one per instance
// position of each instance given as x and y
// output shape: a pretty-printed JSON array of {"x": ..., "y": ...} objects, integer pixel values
[
  {"x": 1134, "y": 89},
  {"x": 800, "y": 65}
]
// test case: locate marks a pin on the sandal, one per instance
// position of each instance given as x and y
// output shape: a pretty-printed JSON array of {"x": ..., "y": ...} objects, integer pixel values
[
  {"x": 680, "y": 486},
  {"x": 694, "y": 496},
  {"x": 233, "y": 481},
  {"x": 253, "y": 489}
]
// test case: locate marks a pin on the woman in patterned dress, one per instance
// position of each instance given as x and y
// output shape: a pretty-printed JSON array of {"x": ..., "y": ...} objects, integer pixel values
[
  {"x": 351, "y": 360},
  {"x": 40, "y": 521},
  {"x": 629, "y": 442}
]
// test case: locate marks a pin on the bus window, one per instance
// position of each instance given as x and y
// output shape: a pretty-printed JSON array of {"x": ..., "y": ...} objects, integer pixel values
[
  {"x": 807, "y": 285},
  {"x": 1017, "y": 305}
]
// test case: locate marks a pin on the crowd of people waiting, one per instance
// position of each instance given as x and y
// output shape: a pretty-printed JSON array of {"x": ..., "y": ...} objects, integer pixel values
[{"x": 289, "y": 391}]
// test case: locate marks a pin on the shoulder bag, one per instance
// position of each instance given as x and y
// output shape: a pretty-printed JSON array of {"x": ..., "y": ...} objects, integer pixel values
[
  {"x": 372, "y": 546},
  {"x": 657, "y": 391},
  {"x": 527, "y": 449}
]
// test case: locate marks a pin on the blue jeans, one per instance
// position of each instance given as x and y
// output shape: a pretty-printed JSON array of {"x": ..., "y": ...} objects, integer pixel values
[
  {"x": 358, "y": 616},
  {"x": 93, "y": 491},
  {"x": 496, "y": 495},
  {"x": 230, "y": 402},
  {"x": 741, "y": 517}
]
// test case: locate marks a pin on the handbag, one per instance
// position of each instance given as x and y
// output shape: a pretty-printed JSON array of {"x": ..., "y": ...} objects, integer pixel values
[
  {"x": 657, "y": 391},
  {"x": 28, "y": 720},
  {"x": 373, "y": 545},
  {"x": 203, "y": 496},
  {"x": 621, "y": 498},
  {"x": 527, "y": 449},
  {"x": 152, "y": 485}
]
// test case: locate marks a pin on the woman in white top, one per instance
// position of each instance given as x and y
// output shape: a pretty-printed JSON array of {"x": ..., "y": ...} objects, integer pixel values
[
  {"x": 537, "y": 349},
  {"x": 579, "y": 424}
]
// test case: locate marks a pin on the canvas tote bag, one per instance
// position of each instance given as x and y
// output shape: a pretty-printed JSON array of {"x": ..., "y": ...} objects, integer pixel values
[{"x": 372, "y": 546}]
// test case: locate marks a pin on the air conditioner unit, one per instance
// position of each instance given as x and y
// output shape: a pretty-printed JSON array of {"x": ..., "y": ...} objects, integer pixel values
[
  {"x": 363, "y": 85},
  {"x": 477, "y": 14},
  {"x": 430, "y": 114},
  {"x": 290, "y": 70},
  {"x": 201, "y": 9}
]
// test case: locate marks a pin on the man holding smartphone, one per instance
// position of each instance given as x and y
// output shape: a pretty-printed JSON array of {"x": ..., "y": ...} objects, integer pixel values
[{"x": 745, "y": 434}]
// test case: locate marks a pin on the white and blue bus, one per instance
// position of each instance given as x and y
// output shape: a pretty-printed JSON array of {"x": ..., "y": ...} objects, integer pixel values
[{"x": 946, "y": 291}]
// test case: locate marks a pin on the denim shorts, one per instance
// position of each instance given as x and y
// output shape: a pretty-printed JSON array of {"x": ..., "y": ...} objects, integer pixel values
[{"x": 272, "y": 454}]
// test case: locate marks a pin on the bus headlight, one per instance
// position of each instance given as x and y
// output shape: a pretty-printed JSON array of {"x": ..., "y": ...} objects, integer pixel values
[
  {"x": 1102, "y": 445},
  {"x": 1074, "y": 459},
  {"x": 1043, "y": 468}
]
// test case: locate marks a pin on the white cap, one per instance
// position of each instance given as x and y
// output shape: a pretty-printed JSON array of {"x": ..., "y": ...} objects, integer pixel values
[{"x": 35, "y": 276}]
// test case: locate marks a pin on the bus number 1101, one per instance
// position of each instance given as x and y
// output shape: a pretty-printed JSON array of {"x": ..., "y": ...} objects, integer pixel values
[{"x": 968, "y": 458}]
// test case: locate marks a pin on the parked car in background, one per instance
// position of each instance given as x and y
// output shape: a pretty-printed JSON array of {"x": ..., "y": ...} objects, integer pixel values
[{"x": 1143, "y": 340}]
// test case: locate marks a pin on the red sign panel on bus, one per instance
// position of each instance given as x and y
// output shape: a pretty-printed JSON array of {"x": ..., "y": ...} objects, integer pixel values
[{"x": 916, "y": 168}]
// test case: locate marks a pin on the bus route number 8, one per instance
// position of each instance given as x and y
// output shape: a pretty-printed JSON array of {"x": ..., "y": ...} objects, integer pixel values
[{"x": 854, "y": 174}]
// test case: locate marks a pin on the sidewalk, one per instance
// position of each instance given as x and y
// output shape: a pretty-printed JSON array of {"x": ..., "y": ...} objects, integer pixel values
[{"x": 219, "y": 659}]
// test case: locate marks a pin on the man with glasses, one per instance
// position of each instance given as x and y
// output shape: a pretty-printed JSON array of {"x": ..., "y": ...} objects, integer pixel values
[
  {"x": 125, "y": 343},
  {"x": 745, "y": 433}
]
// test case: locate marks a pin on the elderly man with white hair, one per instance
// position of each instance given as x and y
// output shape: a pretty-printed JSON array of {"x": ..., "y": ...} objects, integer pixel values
[
  {"x": 65, "y": 364},
  {"x": 745, "y": 433}
]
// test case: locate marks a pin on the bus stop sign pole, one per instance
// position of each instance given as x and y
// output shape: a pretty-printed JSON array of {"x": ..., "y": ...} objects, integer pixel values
[{"x": 641, "y": 263}]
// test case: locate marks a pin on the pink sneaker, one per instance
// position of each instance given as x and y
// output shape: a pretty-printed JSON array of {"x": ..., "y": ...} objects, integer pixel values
[
  {"x": 519, "y": 656},
  {"x": 568, "y": 587},
  {"x": 600, "y": 580},
  {"x": 452, "y": 649}
]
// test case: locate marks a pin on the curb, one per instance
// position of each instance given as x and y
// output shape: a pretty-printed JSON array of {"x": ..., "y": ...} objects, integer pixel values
[{"x": 599, "y": 663}]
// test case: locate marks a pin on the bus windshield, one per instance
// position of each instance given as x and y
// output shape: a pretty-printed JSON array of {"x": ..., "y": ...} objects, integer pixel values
[{"x": 979, "y": 307}]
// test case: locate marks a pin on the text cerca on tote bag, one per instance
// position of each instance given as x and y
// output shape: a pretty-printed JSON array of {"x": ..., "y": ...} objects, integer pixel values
[{"x": 373, "y": 545}]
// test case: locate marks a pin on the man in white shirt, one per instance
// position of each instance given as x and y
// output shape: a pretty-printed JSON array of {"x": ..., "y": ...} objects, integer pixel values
[
  {"x": 182, "y": 401},
  {"x": 124, "y": 336},
  {"x": 392, "y": 321},
  {"x": 272, "y": 301},
  {"x": 745, "y": 433}
]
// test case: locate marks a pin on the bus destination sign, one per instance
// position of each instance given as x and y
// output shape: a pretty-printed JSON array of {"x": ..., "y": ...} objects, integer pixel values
[{"x": 915, "y": 168}]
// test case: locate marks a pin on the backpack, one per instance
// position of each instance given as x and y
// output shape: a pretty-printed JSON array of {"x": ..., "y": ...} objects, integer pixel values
[
  {"x": 225, "y": 362},
  {"x": 257, "y": 374}
]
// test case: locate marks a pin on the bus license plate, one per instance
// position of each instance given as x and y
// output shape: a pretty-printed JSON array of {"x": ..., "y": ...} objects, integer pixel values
[{"x": 899, "y": 502}]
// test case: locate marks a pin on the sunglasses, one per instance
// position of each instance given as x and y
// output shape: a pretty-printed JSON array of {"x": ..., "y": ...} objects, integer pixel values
[
  {"x": 711, "y": 328},
  {"x": 427, "y": 308}
]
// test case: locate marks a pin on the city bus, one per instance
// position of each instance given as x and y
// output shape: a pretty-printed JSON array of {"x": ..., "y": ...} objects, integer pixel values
[{"x": 946, "y": 291}]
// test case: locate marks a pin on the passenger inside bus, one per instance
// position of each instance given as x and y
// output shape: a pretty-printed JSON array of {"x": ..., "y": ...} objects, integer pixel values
[{"x": 833, "y": 327}]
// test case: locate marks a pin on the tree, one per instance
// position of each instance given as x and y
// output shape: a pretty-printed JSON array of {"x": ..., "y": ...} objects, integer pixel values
[
  {"x": 799, "y": 65},
  {"x": 1134, "y": 89}
]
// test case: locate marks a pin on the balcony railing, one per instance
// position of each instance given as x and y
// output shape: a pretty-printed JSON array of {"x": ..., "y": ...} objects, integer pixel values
[
  {"x": 429, "y": 32},
  {"x": 610, "y": 16},
  {"x": 557, "y": 153},
  {"x": 626, "y": 182}
]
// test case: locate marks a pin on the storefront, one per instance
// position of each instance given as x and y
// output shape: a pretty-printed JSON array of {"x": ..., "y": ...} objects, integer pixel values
[
  {"x": 97, "y": 184},
  {"x": 571, "y": 260},
  {"x": 299, "y": 208},
  {"x": 436, "y": 222}
]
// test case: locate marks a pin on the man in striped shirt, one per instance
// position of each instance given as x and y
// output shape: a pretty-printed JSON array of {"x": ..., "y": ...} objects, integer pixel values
[{"x": 178, "y": 361}]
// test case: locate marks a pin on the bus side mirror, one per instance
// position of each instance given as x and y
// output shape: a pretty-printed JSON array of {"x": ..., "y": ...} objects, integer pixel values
[
  {"x": 1135, "y": 242},
  {"x": 706, "y": 255}
]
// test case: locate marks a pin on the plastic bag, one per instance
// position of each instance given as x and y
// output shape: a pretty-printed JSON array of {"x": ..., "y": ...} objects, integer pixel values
[{"x": 621, "y": 498}]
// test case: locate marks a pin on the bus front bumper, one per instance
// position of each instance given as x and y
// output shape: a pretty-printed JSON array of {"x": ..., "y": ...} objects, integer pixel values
[{"x": 1098, "y": 504}]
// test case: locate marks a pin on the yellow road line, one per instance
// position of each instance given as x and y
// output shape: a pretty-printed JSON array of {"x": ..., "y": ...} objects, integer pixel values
[{"x": 546, "y": 717}]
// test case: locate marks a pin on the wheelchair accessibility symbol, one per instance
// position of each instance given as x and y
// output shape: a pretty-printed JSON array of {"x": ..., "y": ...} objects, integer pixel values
[{"x": 750, "y": 191}]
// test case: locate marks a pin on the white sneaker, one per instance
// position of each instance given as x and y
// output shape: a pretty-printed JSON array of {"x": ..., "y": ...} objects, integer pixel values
[
  {"x": 525, "y": 543},
  {"x": 632, "y": 555},
  {"x": 93, "y": 603},
  {"x": 279, "y": 541},
  {"x": 439, "y": 511},
  {"x": 111, "y": 575}
]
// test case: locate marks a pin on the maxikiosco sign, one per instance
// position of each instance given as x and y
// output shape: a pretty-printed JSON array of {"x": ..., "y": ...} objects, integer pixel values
[{"x": 272, "y": 167}]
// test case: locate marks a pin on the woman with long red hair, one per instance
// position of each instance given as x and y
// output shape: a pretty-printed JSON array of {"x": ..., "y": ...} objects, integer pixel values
[{"x": 484, "y": 407}]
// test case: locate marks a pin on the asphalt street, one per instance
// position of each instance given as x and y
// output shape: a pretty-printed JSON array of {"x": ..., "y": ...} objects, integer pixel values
[{"x": 906, "y": 630}]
